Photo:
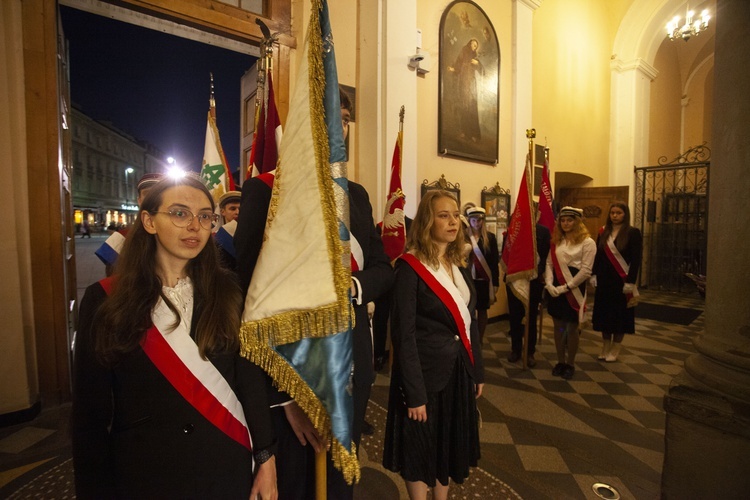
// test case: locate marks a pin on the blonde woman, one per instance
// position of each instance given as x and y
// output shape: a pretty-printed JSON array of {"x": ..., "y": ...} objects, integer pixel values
[
  {"x": 432, "y": 433},
  {"x": 569, "y": 265},
  {"x": 483, "y": 263}
]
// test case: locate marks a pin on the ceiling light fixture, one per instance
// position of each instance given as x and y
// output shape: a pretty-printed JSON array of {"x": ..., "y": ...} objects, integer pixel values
[{"x": 690, "y": 28}]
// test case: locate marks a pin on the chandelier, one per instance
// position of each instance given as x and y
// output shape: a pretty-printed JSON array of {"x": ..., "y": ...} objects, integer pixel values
[{"x": 690, "y": 28}]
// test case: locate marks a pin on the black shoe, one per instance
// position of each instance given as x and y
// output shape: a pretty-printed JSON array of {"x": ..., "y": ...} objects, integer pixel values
[
  {"x": 514, "y": 356},
  {"x": 530, "y": 361},
  {"x": 367, "y": 429},
  {"x": 568, "y": 372},
  {"x": 558, "y": 369}
]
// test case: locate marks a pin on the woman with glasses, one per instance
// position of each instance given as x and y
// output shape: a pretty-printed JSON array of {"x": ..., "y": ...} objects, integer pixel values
[
  {"x": 163, "y": 404},
  {"x": 432, "y": 430}
]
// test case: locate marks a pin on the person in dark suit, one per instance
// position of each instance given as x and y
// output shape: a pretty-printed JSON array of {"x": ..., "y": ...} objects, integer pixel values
[
  {"x": 517, "y": 309},
  {"x": 432, "y": 430},
  {"x": 382, "y": 313},
  {"x": 163, "y": 404},
  {"x": 372, "y": 277}
]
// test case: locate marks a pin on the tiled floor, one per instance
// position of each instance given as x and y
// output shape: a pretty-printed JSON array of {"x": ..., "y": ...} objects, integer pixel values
[{"x": 542, "y": 437}]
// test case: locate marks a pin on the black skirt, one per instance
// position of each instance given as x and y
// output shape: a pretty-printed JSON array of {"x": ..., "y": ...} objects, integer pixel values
[
  {"x": 483, "y": 294},
  {"x": 559, "y": 307},
  {"x": 443, "y": 447}
]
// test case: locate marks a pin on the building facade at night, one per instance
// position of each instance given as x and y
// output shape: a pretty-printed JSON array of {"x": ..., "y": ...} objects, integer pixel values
[{"x": 107, "y": 164}]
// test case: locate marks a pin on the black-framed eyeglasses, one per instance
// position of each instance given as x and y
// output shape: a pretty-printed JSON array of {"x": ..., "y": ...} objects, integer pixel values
[{"x": 182, "y": 217}]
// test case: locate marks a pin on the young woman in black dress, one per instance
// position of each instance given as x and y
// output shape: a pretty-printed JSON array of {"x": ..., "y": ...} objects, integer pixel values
[
  {"x": 619, "y": 249},
  {"x": 432, "y": 433},
  {"x": 163, "y": 404}
]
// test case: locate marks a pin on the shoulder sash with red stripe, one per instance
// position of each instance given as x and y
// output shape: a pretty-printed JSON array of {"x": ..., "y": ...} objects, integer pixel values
[
  {"x": 187, "y": 384},
  {"x": 561, "y": 279},
  {"x": 444, "y": 296},
  {"x": 620, "y": 265}
]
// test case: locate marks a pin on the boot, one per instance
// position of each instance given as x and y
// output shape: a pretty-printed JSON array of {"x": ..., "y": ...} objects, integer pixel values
[
  {"x": 613, "y": 352},
  {"x": 606, "y": 345}
]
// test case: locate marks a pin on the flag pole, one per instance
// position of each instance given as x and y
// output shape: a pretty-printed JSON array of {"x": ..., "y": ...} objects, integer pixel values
[
  {"x": 321, "y": 478},
  {"x": 530, "y": 135},
  {"x": 541, "y": 309}
]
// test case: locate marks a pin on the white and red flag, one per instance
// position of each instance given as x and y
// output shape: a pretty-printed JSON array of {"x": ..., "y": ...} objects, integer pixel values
[
  {"x": 519, "y": 253},
  {"x": 393, "y": 232}
]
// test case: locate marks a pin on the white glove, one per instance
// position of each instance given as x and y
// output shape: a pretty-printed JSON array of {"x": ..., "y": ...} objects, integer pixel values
[
  {"x": 592, "y": 280},
  {"x": 552, "y": 291},
  {"x": 628, "y": 288},
  {"x": 562, "y": 289}
]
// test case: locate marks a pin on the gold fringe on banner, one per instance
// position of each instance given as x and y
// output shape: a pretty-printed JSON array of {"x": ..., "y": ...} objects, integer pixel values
[
  {"x": 291, "y": 326},
  {"x": 286, "y": 379}
]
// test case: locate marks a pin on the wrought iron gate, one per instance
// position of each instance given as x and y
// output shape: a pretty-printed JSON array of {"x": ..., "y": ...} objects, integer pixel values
[{"x": 671, "y": 210}]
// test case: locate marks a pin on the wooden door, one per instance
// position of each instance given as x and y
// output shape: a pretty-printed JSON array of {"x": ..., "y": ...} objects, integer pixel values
[
  {"x": 595, "y": 203},
  {"x": 66, "y": 195}
]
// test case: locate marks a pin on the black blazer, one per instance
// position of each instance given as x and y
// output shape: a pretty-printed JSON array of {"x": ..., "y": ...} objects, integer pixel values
[
  {"x": 376, "y": 277},
  {"x": 425, "y": 337},
  {"x": 135, "y": 436}
]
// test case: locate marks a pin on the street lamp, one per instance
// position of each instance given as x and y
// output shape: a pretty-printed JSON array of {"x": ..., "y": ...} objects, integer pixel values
[
  {"x": 174, "y": 171},
  {"x": 128, "y": 170}
]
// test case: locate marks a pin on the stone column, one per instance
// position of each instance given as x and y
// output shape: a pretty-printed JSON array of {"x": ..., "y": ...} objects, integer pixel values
[{"x": 707, "y": 440}]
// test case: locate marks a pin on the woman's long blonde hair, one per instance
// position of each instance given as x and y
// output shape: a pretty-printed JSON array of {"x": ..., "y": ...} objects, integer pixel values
[
  {"x": 579, "y": 232},
  {"x": 419, "y": 240}
]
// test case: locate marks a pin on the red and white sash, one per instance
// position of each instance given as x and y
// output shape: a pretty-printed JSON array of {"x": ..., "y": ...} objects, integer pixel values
[
  {"x": 358, "y": 256},
  {"x": 576, "y": 299},
  {"x": 621, "y": 267},
  {"x": 447, "y": 292},
  {"x": 481, "y": 267},
  {"x": 176, "y": 356}
]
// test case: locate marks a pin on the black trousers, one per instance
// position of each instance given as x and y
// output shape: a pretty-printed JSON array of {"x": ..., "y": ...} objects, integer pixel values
[
  {"x": 295, "y": 464},
  {"x": 517, "y": 311}
]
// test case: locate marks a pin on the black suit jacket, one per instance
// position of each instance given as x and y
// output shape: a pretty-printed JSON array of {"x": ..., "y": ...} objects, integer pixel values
[
  {"x": 425, "y": 337},
  {"x": 135, "y": 436},
  {"x": 375, "y": 277}
]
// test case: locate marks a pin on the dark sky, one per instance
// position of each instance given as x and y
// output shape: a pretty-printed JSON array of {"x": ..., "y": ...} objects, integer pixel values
[{"x": 154, "y": 86}]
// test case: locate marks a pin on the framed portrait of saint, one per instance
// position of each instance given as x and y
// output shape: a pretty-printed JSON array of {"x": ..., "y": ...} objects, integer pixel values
[
  {"x": 469, "y": 84},
  {"x": 496, "y": 203}
]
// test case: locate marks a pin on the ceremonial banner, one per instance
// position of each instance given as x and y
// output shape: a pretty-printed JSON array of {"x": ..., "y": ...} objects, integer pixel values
[
  {"x": 519, "y": 254},
  {"x": 394, "y": 224},
  {"x": 215, "y": 170},
  {"x": 264, "y": 153},
  {"x": 546, "y": 214},
  {"x": 298, "y": 314}
]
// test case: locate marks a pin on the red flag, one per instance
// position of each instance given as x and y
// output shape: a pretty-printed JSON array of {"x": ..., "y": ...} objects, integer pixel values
[
  {"x": 519, "y": 253},
  {"x": 265, "y": 152},
  {"x": 394, "y": 227},
  {"x": 546, "y": 214}
]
